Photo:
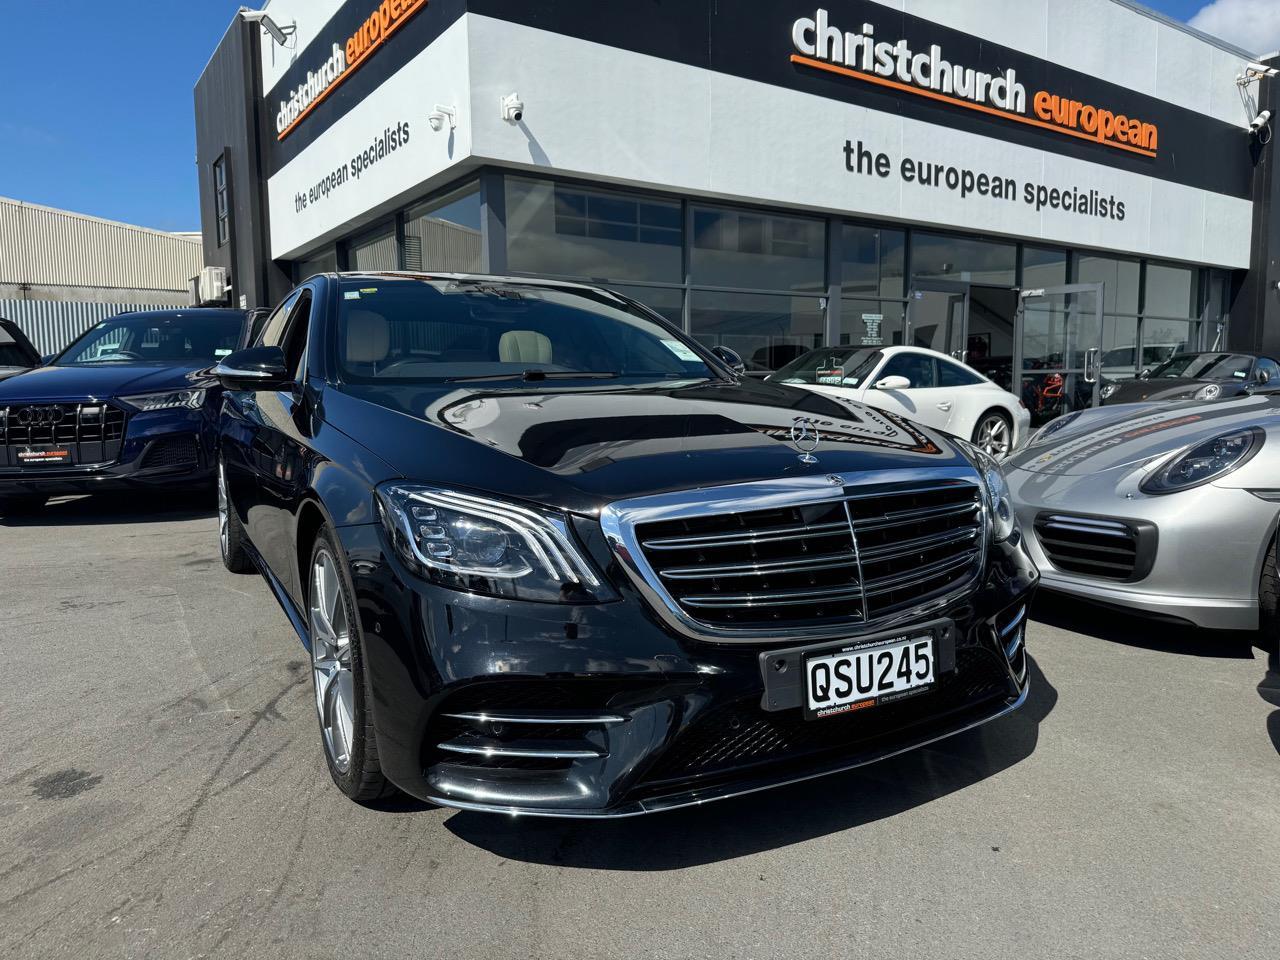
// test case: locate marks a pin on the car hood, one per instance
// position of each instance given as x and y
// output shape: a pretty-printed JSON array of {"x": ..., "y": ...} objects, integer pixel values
[
  {"x": 1170, "y": 388},
  {"x": 1120, "y": 437},
  {"x": 98, "y": 382},
  {"x": 7, "y": 372},
  {"x": 579, "y": 449}
]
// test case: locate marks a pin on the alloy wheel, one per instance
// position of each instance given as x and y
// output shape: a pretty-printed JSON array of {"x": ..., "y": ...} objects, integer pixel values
[
  {"x": 331, "y": 660},
  {"x": 993, "y": 436},
  {"x": 224, "y": 510}
]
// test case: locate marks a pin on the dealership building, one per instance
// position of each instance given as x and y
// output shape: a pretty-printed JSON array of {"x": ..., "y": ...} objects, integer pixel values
[{"x": 1041, "y": 187}]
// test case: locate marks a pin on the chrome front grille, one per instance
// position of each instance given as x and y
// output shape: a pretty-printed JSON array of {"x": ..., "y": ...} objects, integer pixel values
[
  {"x": 834, "y": 558},
  {"x": 94, "y": 432}
]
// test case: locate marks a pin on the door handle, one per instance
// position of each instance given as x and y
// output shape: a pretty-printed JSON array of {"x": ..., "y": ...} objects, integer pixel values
[
  {"x": 1091, "y": 365},
  {"x": 944, "y": 405}
]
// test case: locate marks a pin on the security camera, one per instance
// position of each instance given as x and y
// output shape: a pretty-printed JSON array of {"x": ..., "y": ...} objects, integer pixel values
[
  {"x": 441, "y": 116},
  {"x": 278, "y": 33},
  {"x": 1261, "y": 70},
  {"x": 1258, "y": 123},
  {"x": 512, "y": 108}
]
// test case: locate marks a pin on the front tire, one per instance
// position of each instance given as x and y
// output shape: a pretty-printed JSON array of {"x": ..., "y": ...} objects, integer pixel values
[
  {"x": 1269, "y": 607},
  {"x": 993, "y": 434},
  {"x": 343, "y": 694},
  {"x": 231, "y": 535}
]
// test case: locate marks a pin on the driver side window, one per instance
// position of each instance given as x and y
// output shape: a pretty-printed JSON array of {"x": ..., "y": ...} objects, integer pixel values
[
  {"x": 273, "y": 330},
  {"x": 295, "y": 337},
  {"x": 916, "y": 367}
]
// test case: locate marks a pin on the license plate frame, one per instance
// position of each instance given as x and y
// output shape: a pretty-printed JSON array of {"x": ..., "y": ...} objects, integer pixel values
[
  {"x": 782, "y": 668},
  {"x": 44, "y": 455},
  {"x": 905, "y": 646}
]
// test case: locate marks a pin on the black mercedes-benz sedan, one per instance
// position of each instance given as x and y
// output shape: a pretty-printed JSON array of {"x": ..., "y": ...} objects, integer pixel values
[
  {"x": 552, "y": 556},
  {"x": 130, "y": 404},
  {"x": 1195, "y": 376}
]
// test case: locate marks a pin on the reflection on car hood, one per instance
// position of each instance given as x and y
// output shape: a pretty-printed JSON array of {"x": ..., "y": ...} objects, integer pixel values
[
  {"x": 99, "y": 381},
  {"x": 1164, "y": 388},
  {"x": 1107, "y": 438},
  {"x": 581, "y": 448}
]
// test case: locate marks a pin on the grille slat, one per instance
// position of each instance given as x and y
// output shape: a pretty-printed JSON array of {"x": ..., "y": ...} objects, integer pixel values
[
  {"x": 1108, "y": 549},
  {"x": 865, "y": 554},
  {"x": 94, "y": 432}
]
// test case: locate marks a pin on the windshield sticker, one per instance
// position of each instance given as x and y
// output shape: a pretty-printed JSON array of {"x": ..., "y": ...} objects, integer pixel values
[
  {"x": 219, "y": 354},
  {"x": 680, "y": 350},
  {"x": 833, "y": 376},
  {"x": 368, "y": 290},
  {"x": 351, "y": 295}
]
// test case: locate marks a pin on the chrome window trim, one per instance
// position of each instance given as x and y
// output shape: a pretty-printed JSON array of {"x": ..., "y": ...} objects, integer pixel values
[{"x": 620, "y": 519}]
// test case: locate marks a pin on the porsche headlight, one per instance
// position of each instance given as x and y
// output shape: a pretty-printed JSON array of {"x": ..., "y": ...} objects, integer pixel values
[
  {"x": 1108, "y": 390},
  {"x": 1209, "y": 391},
  {"x": 1205, "y": 462},
  {"x": 166, "y": 400},
  {"x": 472, "y": 543},
  {"x": 999, "y": 502}
]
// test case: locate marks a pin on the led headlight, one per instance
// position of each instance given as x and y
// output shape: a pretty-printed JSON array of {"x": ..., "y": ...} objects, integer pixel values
[
  {"x": 999, "y": 502},
  {"x": 1108, "y": 390},
  {"x": 487, "y": 546},
  {"x": 168, "y": 400},
  {"x": 1209, "y": 391},
  {"x": 1205, "y": 462}
]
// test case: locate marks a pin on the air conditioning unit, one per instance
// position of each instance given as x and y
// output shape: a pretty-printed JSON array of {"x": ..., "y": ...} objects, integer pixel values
[{"x": 213, "y": 285}]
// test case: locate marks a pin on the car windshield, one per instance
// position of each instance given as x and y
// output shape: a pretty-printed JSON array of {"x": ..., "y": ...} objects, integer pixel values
[
  {"x": 833, "y": 366},
  {"x": 12, "y": 353},
  {"x": 156, "y": 338},
  {"x": 399, "y": 329},
  {"x": 1205, "y": 366}
]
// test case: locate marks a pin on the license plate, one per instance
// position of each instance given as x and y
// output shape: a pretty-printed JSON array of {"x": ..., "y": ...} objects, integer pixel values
[
  {"x": 44, "y": 456},
  {"x": 856, "y": 679}
]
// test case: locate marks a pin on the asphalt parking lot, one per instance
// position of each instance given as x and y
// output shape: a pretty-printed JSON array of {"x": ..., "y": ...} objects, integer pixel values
[{"x": 162, "y": 794}]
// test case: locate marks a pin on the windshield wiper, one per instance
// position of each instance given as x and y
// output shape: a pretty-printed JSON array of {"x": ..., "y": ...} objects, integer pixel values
[{"x": 529, "y": 375}]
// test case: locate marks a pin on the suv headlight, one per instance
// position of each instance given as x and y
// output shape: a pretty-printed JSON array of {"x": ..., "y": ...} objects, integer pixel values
[
  {"x": 166, "y": 400},
  {"x": 1205, "y": 462},
  {"x": 999, "y": 503},
  {"x": 472, "y": 543}
]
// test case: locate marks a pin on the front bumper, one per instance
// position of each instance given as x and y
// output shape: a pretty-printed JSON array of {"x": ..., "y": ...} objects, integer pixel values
[
  {"x": 164, "y": 448},
  {"x": 632, "y": 717},
  {"x": 1210, "y": 545}
]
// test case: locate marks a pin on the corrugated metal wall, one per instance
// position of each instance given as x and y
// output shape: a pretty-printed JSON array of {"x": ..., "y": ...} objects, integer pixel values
[
  {"x": 51, "y": 325},
  {"x": 42, "y": 246}
]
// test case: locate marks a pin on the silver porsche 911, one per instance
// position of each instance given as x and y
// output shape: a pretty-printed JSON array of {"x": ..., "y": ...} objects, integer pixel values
[{"x": 1169, "y": 509}]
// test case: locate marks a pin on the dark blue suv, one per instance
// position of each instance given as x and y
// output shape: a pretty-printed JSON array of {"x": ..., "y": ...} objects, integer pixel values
[{"x": 129, "y": 403}]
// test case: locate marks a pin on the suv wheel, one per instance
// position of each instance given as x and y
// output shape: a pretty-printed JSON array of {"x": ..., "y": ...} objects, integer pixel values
[
  {"x": 342, "y": 692},
  {"x": 231, "y": 538}
]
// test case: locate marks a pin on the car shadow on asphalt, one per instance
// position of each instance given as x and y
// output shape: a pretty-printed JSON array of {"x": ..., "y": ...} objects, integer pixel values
[
  {"x": 775, "y": 818},
  {"x": 1117, "y": 626},
  {"x": 142, "y": 506}
]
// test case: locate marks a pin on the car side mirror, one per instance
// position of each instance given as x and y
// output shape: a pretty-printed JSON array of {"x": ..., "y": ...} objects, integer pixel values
[
  {"x": 731, "y": 359},
  {"x": 1146, "y": 372},
  {"x": 893, "y": 383},
  {"x": 257, "y": 368},
  {"x": 1263, "y": 376}
]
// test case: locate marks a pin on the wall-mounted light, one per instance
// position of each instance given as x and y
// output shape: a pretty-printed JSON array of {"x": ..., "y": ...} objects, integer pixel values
[
  {"x": 278, "y": 33},
  {"x": 442, "y": 115}
]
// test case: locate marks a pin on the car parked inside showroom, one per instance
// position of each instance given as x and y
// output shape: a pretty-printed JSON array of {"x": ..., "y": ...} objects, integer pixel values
[
  {"x": 1165, "y": 509},
  {"x": 552, "y": 556},
  {"x": 17, "y": 355},
  {"x": 1194, "y": 376},
  {"x": 923, "y": 385},
  {"x": 128, "y": 404}
]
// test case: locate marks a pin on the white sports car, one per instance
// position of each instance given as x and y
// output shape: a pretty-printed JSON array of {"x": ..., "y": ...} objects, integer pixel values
[{"x": 922, "y": 385}]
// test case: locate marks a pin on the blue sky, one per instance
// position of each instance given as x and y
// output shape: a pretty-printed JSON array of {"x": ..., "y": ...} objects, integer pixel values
[{"x": 95, "y": 101}]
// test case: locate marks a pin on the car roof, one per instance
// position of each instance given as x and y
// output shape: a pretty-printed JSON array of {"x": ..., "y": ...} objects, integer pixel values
[
  {"x": 482, "y": 277},
  {"x": 908, "y": 348}
]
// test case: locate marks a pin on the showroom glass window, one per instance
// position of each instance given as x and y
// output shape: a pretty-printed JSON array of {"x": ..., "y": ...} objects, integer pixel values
[
  {"x": 557, "y": 229},
  {"x": 324, "y": 261},
  {"x": 771, "y": 270},
  {"x": 374, "y": 251},
  {"x": 936, "y": 256},
  {"x": 871, "y": 286},
  {"x": 1170, "y": 311},
  {"x": 444, "y": 234}
]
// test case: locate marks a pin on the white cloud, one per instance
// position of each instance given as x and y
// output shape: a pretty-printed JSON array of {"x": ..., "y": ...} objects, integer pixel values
[{"x": 1251, "y": 24}]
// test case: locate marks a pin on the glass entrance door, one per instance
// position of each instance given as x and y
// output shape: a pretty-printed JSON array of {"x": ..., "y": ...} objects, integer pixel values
[
  {"x": 937, "y": 315},
  {"x": 1060, "y": 332}
]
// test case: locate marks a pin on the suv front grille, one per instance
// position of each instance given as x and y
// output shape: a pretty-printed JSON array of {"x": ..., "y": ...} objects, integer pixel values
[
  {"x": 1097, "y": 546},
  {"x": 94, "y": 432},
  {"x": 856, "y": 558}
]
